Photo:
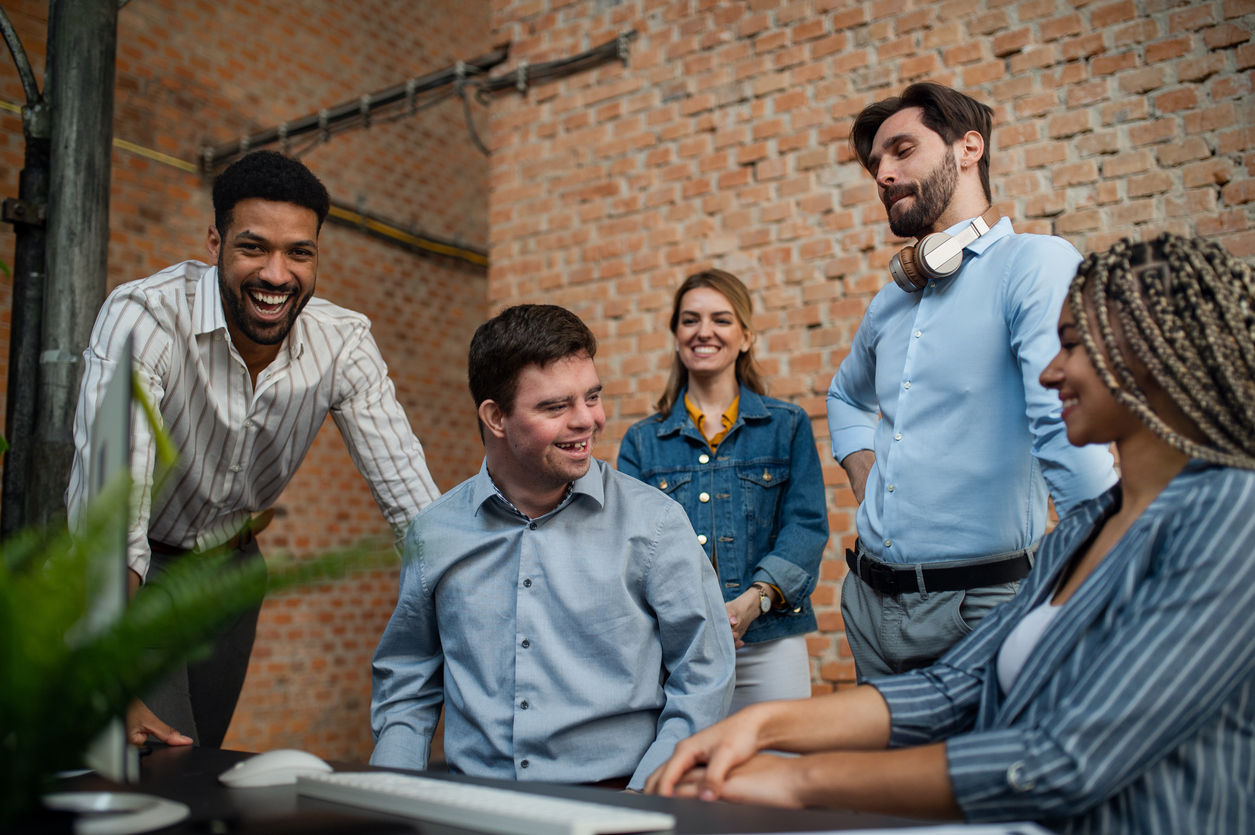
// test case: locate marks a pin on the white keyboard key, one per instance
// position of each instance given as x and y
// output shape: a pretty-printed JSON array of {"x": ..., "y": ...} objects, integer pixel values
[{"x": 482, "y": 808}]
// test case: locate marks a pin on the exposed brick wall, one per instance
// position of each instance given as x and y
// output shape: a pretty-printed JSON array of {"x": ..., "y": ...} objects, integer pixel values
[
  {"x": 724, "y": 142},
  {"x": 197, "y": 73}
]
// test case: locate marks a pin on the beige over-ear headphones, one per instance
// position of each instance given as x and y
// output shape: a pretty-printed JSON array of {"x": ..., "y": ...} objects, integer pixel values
[{"x": 937, "y": 255}]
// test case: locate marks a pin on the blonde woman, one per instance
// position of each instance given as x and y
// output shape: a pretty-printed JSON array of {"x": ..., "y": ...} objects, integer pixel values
[{"x": 745, "y": 468}]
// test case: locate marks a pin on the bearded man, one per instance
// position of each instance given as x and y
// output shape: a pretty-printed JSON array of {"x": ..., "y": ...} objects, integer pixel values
[
  {"x": 243, "y": 364},
  {"x": 951, "y": 444}
]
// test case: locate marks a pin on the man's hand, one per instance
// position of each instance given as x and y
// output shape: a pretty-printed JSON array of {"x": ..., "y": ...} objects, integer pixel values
[
  {"x": 140, "y": 722},
  {"x": 857, "y": 465},
  {"x": 719, "y": 748}
]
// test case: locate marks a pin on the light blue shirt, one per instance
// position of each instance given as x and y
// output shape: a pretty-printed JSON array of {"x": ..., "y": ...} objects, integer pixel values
[
  {"x": 575, "y": 647},
  {"x": 968, "y": 441},
  {"x": 1135, "y": 713}
]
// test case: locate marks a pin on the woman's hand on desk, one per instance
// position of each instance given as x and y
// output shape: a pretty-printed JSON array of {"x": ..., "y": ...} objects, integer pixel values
[
  {"x": 764, "y": 779},
  {"x": 703, "y": 760}
]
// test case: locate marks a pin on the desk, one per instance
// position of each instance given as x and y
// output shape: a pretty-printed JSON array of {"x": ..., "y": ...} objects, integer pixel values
[{"x": 190, "y": 775}]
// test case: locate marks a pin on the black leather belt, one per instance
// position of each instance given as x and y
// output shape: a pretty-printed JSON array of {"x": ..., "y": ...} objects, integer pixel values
[{"x": 890, "y": 579}]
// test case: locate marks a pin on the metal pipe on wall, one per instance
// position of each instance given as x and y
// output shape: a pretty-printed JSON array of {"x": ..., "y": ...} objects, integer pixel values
[
  {"x": 28, "y": 214},
  {"x": 82, "y": 46}
]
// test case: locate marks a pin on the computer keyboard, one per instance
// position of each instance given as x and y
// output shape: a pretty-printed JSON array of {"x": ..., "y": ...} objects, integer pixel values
[{"x": 479, "y": 808}]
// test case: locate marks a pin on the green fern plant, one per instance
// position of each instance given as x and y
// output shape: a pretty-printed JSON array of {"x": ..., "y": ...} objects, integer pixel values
[{"x": 63, "y": 682}]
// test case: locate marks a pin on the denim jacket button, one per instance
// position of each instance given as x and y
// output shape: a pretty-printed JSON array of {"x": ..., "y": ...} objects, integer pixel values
[
  {"x": 703, "y": 497},
  {"x": 703, "y": 459},
  {"x": 701, "y": 539}
]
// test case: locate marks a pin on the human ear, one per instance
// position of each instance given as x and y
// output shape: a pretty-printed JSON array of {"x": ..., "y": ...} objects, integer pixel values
[
  {"x": 213, "y": 243},
  {"x": 492, "y": 417},
  {"x": 971, "y": 148}
]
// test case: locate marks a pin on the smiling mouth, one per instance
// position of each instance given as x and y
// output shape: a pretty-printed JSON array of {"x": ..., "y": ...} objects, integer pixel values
[
  {"x": 705, "y": 350},
  {"x": 573, "y": 446},
  {"x": 268, "y": 303}
]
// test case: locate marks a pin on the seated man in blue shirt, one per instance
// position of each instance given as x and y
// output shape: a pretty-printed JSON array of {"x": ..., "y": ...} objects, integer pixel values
[
  {"x": 562, "y": 613},
  {"x": 937, "y": 414}
]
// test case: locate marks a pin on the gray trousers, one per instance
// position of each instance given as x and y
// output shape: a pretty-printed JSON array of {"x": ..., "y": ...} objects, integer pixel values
[
  {"x": 891, "y": 634},
  {"x": 199, "y": 697}
]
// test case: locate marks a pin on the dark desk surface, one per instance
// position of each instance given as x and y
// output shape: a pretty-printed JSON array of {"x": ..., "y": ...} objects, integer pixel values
[{"x": 190, "y": 775}]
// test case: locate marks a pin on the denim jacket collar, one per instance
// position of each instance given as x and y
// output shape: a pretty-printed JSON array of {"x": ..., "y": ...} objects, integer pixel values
[{"x": 751, "y": 408}]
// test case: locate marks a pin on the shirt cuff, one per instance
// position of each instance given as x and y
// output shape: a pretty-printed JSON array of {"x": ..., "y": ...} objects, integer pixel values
[
  {"x": 851, "y": 440},
  {"x": 400, "y": 747}
]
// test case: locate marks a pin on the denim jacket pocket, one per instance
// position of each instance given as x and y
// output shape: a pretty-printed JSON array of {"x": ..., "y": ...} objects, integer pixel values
[
  {"x": 671, "y": 482},
  {"x": 761, "y": 490}
]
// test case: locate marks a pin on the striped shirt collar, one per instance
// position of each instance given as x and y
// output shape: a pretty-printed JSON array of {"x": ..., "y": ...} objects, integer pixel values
[{"x": 209, "y": 316}]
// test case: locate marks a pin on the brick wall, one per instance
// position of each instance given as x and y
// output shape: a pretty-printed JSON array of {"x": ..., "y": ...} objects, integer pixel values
[
  {"x": 196, "y": 73},
  {"x": 724, "y": 142}
]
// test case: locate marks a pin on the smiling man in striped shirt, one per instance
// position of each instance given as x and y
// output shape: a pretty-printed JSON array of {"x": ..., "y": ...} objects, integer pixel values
[{"x": 244, "y": 364}]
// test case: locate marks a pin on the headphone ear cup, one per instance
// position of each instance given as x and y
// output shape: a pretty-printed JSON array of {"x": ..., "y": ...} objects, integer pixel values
[{"x": 905, "y": 271}]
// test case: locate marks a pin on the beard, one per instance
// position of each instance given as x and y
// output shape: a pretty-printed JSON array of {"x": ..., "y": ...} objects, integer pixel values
[
  {"x": 236, "y": 309},
  {"x": 932, "y": 196}
]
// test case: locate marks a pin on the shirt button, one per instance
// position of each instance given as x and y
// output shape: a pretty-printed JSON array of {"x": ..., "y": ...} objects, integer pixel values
[
  {"x": 907, "y": 384},
  {"x": 703, "y": 497},
  {"x": 703, "y": 459},
  {"x": 523, "y": 763},
  {"x": 918, "y": 334},
  {"x": 898, "y": 437},
  {"x": 531, "y": 526},
  {"x": 701, "y": 539},
  {"x": 523, "y": 705},
  {"x": 248, "y": 422},
  {"x": 892, "y": 488},
  {"x": 1018, "y": 780},
  {"x": 527, "y": 584},
  {"x": 526, "y": 643},
  {"x": 235, "y": 468},
  {"x": 888, "y": 543}
]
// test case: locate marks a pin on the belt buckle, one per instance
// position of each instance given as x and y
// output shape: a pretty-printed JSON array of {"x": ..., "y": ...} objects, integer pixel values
[{"x": 882, "y": 577}]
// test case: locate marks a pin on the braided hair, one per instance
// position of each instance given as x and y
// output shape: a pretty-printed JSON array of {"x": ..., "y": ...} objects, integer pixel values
[{"x": 1185, "y": 310}]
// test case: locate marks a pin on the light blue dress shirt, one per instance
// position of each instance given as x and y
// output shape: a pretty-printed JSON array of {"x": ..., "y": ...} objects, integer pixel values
[
  {"x": 968, "y": 441},
  {"x": 575, "y": 647},
  {"x": 1135, "y": 713}
]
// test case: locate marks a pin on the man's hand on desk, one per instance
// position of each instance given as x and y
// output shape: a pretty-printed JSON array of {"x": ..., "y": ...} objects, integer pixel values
[{"x": 140, "y": 722}]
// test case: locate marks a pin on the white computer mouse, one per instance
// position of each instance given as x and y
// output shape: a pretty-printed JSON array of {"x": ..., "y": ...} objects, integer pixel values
[{"x": 280, "y": 767}]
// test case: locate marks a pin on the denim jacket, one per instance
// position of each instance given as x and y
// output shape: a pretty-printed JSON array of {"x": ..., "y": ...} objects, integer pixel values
[{"x": 757, "y": 503}]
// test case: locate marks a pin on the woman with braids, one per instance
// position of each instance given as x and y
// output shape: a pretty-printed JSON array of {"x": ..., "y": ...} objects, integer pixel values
[
  {"x": 1116, "y": 691},
  {"x": 745, "y": 469}
]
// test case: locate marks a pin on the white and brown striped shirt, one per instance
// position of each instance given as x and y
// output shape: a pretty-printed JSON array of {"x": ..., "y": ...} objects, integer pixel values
[{"x": 240, "y": 445}]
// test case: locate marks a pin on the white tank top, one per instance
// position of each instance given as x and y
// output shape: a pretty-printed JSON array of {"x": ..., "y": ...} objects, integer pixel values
[{"x": 1021, "y": 641}]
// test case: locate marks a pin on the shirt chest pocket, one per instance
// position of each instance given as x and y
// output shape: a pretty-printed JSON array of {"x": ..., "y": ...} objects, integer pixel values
[{"x": 762, "y": 485}]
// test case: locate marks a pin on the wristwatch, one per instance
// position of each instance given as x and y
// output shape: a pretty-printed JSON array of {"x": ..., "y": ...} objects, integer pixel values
[{"x": 764, "y": 599}]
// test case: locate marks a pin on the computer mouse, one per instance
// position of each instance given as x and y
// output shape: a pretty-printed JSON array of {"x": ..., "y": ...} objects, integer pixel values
[{"x": 280, "y": 767}]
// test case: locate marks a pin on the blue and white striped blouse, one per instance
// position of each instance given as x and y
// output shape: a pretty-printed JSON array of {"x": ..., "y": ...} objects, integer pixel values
[{"x": 1136, "y": 712}]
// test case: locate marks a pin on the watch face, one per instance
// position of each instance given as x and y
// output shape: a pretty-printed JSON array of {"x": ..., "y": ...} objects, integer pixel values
[{"x": 764, "y": 603}]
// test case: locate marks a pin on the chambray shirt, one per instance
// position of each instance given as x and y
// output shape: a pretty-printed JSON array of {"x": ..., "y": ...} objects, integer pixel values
[
  {"x": 968, "y": 441},
  {"x": 575, "y": 647},
  {"x": 1135, "y": 713}
]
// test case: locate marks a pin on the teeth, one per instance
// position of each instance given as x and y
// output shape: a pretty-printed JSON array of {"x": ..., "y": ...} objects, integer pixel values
[
  {"x": 581, "y": 446},
  {"x": 706, "y": 349},
  {"x": 269, "y": 298}
]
